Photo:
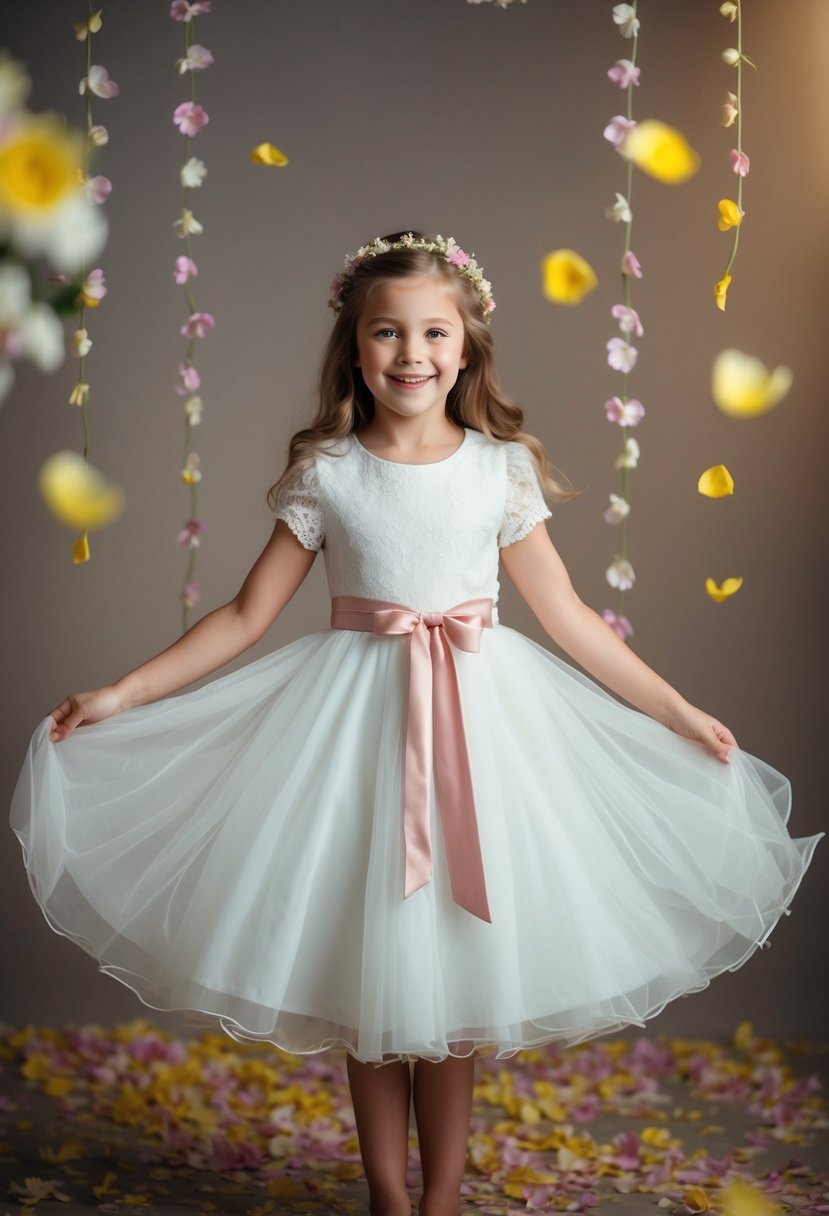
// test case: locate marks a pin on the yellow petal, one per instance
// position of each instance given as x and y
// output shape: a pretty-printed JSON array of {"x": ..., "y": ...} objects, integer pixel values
[
  {"x": 78, "y": 495},
  {"x": 724, "y": 592},
  {"x": 730, "y": 214},
  {"x": 80, "y": 549},
  {"x": 697, "y": 1200},
  {"x": 661, "y": 151},
  {"x": 716, "y": 482},
  {"x": 739, "y": 1198},
  {"x": 720, "y": 290},
  {"x": 566, "y": 277},
  {"x": 267, "y": 154},
  {"x": 743, "y": 387},
  {"x": 39, "y": 165}
]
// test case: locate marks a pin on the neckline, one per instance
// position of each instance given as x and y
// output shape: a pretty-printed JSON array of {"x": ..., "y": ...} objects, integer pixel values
[{"x": 403, "y": 464}]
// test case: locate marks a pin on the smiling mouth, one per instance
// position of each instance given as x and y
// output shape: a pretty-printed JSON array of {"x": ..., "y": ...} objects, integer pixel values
[{"x": 410, "y": 379}]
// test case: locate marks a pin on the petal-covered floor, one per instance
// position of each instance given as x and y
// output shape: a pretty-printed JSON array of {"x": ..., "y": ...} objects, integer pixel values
[{"x": 125, "y": 1118}]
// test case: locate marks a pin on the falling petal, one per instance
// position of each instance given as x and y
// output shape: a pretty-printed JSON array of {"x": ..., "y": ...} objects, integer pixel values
[
  {"x": 78, "y": 494},
  {"x": 567, "y": 277},
  {"x": 268, "y": 154},
  {"x": 661, "y": 151},
  {"x": 716, "y": 482},
  {"x": 80, "y": 549},
  {"x": 725, "y": 591},
  {"x": 743, "y": 387}
]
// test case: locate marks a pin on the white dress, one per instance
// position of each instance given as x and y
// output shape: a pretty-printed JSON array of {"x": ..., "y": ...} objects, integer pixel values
[{"x": 237, "y": 850}]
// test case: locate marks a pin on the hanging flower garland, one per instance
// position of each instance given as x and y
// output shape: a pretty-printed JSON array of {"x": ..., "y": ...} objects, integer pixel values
[
  {"x": 95, "y": 83},
  {"x": 190, "y": 118},
  {"x": 731, "y": 213},
  {"x": 621, "y": 409}
]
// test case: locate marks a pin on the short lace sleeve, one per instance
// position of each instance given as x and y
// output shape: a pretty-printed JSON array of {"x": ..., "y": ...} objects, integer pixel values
[
  {"x": 525, "y": 505},
  {"x": 298, "y": 503}
]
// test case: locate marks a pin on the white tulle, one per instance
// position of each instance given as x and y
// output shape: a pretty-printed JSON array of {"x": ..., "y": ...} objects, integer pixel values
[{"x": 236, "y": 851}]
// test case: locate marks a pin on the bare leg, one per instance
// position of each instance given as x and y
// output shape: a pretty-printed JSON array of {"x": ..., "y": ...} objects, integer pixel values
[
  {"x": 381, "y": 1099},
  {"x": 443, "y": 1105}
]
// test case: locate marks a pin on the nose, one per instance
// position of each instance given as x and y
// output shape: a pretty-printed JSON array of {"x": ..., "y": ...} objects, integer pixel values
[{"x": 410, "y": 351}]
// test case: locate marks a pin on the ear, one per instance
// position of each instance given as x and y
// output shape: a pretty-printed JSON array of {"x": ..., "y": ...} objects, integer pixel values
[{"x": 463, "y": 361}]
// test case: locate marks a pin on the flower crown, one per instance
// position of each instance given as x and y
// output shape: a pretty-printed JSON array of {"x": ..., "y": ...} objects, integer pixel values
[{"x": 445, "y": 246}]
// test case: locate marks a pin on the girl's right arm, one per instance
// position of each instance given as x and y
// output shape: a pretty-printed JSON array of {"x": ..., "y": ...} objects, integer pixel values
[{"x": 214, "y": 640}]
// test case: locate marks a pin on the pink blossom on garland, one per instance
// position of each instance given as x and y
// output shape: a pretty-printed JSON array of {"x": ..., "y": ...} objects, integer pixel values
[
  {"x": 197, "y": 59},
  {"x": 739, "y": 162},
  {"x": 198, "y": 325},
  {"x": 630, "y": 265},
  {"x": 628, "y": 319},
  {"x": 618, "y": 129},
  {"x": 189, "y": 379},
  {"x": 98, "y": 189},
  {"x": 190, "y": 533},
  {"x": 99, "y": 83},
  {"x": 185, "y": 269},
  {"x": 622, "y": 626},
  {"x": 621, "y": 356},
  {"x": 191, "y": 593},
  {"x": 185, "y": 10},
  {"x": 624, "y": 73},
  {"x": 190, "y": 118},
  {"x": 626, "y": 413}
]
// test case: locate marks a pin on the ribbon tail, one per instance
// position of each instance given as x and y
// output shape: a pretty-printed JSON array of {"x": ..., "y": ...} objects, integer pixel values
[
  {"x": 418, "y": 764},
  {"x": 453, "y": 782}
]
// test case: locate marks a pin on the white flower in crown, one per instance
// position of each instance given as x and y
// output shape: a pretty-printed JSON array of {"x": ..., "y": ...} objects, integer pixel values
[{"x": 448, "y": 249}]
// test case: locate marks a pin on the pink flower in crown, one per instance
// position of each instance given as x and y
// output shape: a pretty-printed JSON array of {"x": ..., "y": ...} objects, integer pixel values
[
  {"x": 190, "y": 118},
  {"x": 198, "y": 325},
  {"x": 459, "y": 258},
  {"x": 619, "y": 624},
  {"x": 189, "y": 379},
  {"x": 336, "y": 288}
]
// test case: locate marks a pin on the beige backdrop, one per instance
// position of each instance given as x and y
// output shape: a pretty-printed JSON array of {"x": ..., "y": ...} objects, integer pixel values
[{"x": 487, "y": 125}]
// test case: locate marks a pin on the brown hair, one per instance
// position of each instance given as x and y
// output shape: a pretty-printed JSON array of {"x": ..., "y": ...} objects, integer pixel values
[{"x": 475, "y": 401}]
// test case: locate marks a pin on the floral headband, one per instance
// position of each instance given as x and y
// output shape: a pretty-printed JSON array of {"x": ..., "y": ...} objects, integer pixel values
[{"x": 445, "y": 246}]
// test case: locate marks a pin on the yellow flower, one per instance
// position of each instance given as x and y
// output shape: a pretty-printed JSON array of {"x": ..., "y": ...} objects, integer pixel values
[
  {"x": 90, "y": 26},
  {"x": 720, "y": 290},
  {"x": 697, "y": 1199},
  {"x": 566, "y": 277},
  {"x": 725, "y": 591},
  {"x": 80, "y": 549},
  {"x": 739, "y": 1198},
  {"x": 730, "y": 214},
  {"x": 78, "y": 495},
  {"x": 267, "y": 154},
  {"x": 661, "y": 151},
  {"x": 39, "y": 164},
  {"x": 716, "y": 482},
  {"x": 743, "y": 387}
]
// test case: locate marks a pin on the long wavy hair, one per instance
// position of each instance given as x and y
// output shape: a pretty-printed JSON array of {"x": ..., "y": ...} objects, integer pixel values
[{"x": 475, "y": 400}]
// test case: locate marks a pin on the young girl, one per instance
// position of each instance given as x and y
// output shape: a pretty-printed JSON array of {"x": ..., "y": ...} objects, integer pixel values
[{"x": 418, "y": 834}]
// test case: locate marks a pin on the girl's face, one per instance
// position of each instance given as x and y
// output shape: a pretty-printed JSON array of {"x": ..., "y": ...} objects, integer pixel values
[{"x": 410, "y": 345}]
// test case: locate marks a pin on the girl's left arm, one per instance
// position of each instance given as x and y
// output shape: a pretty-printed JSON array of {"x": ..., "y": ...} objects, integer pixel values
[{"x": 539, "y": 574}]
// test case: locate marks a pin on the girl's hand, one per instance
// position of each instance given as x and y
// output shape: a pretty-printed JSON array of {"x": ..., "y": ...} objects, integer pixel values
[
  {"x": 691, "y": 722},
  {"x": 82, "y": 708}
]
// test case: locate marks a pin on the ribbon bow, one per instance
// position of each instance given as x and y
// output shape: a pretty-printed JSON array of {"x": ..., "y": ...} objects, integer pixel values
[{"x": 434, "y": 733}]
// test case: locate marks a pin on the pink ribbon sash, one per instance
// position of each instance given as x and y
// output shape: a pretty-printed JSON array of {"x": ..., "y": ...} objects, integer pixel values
[{"x": 434, "y": 734}]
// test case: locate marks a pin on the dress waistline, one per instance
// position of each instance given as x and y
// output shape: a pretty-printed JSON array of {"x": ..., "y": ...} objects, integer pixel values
[{"x": 434, "y": 736}]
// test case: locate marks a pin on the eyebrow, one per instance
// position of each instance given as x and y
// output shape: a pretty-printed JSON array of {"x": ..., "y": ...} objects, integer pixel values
[{"x": 427, "y": 321}]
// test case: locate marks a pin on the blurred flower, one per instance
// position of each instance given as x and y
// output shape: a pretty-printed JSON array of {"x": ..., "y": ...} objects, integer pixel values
[
  {"x": 190, "y": 533},
  {"x": 36, "y": 1189},
  {"x": 98, "y": 189},
  {"x": 743, "y": 387},
  {"x": 91, "y": 25},
  {"x": 268, "y": 154},
  {"x": 190, "y": 593},
  {"x": 630, "y": 265},
  {"x": 185, "y": 269},
  {"x": 193, "y": 173},
  {"x": 661, "y": 151},
  {"x": 188, "y": 225},
  {"x": 721, "y": 290},
  {"x": 626, "y": 413},
  {"x": 188, "y": 379},
  {"x": 625, "y": 17},
  {"x": 99, "y": 83},
  {"x": 731, "y": 56},
  {"x": 620, "y": 212},
  {"x": 620, "y": 574},
  {"x": 628, "y": 319},
  {"x": 729, "y": 9},
  {"x": 182, "y": 10},
  {"x": 728, "y": 588},
  {"x": 191, "y": 473},
  {"x": 624, "y": 73},
  {"x": 79, "y": 394},
  {"x": 618, "y": 129},
  {"x": 15, "y": 84},
  {"x": 740, "y": 1198},
  {"x": 730, "y": 214},
  {"x": 729, "y": 111},
  {"x": 80, "y": 549},
  {"x": 190, "y": 118},
  {"x": 629, "y": 457},
  {"x": 622, "y": 626},
  {"x": 618, "y": 510},
  {"x": 739, "y": 162},
  {"x": 567, "y": 277},
  {"x": 196, "y": 59},
  {"x": 93, "y": 288},
  {"x": 99, "y": 135},
  {"x": 77, "y": 494},
  {"x": 716, "y": 482},
  {"x": 80, "y": 343},
  {"x": 193, "y": 410},
  {"x": 621, "y": 356},
  {"x": 198, "y": 325}
]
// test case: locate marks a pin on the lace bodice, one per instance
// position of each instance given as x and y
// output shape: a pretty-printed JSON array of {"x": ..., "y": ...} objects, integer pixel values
[{"x": 423, "y": 535}]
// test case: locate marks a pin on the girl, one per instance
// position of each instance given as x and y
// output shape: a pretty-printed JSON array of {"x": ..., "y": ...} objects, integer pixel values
[{"x": 416, "y": 835}]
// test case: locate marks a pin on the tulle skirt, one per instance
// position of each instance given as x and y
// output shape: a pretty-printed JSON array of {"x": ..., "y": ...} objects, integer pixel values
[{"x": 236, "y": 852}]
